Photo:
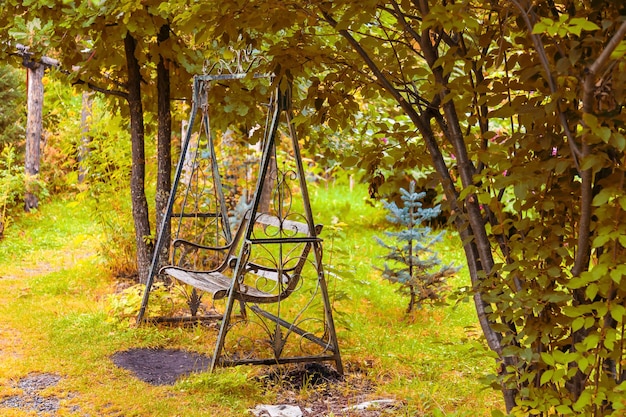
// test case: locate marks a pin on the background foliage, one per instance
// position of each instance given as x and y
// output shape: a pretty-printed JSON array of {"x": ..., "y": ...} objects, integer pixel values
[{"x": 12, "y": 106}]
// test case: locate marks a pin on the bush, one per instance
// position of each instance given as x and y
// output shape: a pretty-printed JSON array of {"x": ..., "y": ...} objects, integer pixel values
[
  {"x": 12, "y": 107},
  {"x": 12, "y": 184}
]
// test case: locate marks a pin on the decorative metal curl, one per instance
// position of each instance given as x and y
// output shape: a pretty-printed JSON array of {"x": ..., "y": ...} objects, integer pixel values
[{"x": 242, "y": 62}]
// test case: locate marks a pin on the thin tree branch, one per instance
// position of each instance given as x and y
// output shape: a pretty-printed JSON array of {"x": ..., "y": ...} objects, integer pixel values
[
  {"x": 400, "y": 16},
  {"x": 91, "y": 86},
  {"x": 598, "y": 65},
  {"x": 541, "y": 52}
]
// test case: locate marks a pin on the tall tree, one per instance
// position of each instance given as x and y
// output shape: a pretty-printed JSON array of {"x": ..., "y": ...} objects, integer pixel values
[
  {"x": 518, "y": 106},
  {"x": 138, "y": 172},
  {"x": 164, "y": 136}
]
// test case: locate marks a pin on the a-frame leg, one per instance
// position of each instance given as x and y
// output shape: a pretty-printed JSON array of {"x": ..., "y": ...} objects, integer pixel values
[
  {"x": 327, "y": 308},
  {"x": 329, "y": 345}
]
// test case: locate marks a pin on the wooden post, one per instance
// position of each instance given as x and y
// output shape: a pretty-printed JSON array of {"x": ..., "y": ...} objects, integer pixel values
[
  {"x": 34, "y": 130},
  {"x": 34, "y": 127}
]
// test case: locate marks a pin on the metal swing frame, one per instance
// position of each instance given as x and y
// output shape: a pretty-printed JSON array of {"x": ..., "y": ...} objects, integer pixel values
[{"x": 233, "y": 286}]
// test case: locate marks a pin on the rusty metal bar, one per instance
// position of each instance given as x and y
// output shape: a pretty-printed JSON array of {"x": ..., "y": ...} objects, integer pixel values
[
  {"x": 292, "y": 327},
  {"x": 275, "y": 361}
]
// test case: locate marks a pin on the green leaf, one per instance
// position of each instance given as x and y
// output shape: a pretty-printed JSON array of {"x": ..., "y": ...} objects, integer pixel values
[
  {"x": 546, "y": 376},
  {"x": 470, "y": 189},
  {"x": 590, "y": 120},
  {"x": 564, "y": 409},
  {"x": 543, "y": 25},
  {"x": 618, "y": 140},
  {"x": 581, "y": 281},
  {"x": 599, "y": 271},
  {"x": 592, "y": 161},
  {"x": 600, "y": 241},
  {"x": 554, "y": 271},
  {"x": 618, "y": 312},
  {"x": 602, "y": 197},
  {"x": 616, "y": 275},
  {"x": 547, "y": 358},
  {"x": 591, "y": 341},
  {"x": 609, "y": 340},
  {"x": 591, "y": 291},
  {"x": 583, "y": 24},
  {"x": 620, "y": 51},
  {"x": 578, "y": 323},
  {"x": 583, "y": 401},
  {"x": 571, "y": 311},
  {"x": 350, "y": 161},
  {"x": 604, "y": 133}
]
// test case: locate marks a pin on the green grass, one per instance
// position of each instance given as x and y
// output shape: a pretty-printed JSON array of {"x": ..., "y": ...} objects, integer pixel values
[
  {"x": 54, "y": 288},
  {"x": 433, "y": 357}
]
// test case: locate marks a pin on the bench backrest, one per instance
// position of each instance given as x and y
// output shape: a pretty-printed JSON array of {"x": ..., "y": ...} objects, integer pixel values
[{"x": 274, "y": 258}]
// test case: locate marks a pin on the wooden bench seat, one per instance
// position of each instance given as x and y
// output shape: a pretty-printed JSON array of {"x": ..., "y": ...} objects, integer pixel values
[
  {"x": 215, "y": 283},
  {"x": 219, "y": 281}
]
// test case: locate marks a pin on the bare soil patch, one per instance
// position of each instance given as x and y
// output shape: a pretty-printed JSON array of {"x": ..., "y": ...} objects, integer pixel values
[
  {"x": 320, "y": 391},
  {"x": 161, "y": 366}
]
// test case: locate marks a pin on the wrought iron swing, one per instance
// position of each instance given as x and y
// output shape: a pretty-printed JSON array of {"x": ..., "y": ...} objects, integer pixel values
[{"x": 272, "y": 266}]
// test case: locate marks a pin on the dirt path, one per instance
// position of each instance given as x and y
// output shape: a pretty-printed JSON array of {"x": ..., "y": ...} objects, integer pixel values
[{"x": 27, "y": 395}]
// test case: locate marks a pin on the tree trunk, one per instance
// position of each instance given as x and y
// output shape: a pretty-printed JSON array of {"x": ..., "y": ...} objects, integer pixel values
[
  {"x": 85, "y": 138},
  {"x": 164, "y": 144},
  {"x": 33, "y": 132},
  {"x": 138, "y": 170}
]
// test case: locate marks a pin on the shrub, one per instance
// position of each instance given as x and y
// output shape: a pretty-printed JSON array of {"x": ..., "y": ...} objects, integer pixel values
[
  {"x": 11, "y": 184},
  {"x": 412, "y": 260},
  {"x": 12, "y": 106},
  {"x": 123, "y": 307}
]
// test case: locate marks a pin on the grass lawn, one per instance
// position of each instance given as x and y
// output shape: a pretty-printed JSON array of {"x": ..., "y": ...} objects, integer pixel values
[{"x": 54, "y": 303}]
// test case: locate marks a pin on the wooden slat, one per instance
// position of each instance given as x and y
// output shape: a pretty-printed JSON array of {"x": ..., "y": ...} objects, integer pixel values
[
  {"x": 197, "y": 215},
  {"x": 215, "y": 283},
  {"x": 271, "y": 275}
]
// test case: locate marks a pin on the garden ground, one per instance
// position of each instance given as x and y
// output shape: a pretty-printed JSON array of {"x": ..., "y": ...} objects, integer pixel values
[{"x": 58, "y": 342}]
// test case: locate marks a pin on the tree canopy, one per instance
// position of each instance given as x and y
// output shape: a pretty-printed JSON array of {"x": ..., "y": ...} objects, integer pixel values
[{"x": 514, "y": 107}]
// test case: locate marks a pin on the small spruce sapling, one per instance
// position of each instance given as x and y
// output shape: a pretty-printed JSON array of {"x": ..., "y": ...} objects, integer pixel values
[{"x": 412, "y": 260}]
